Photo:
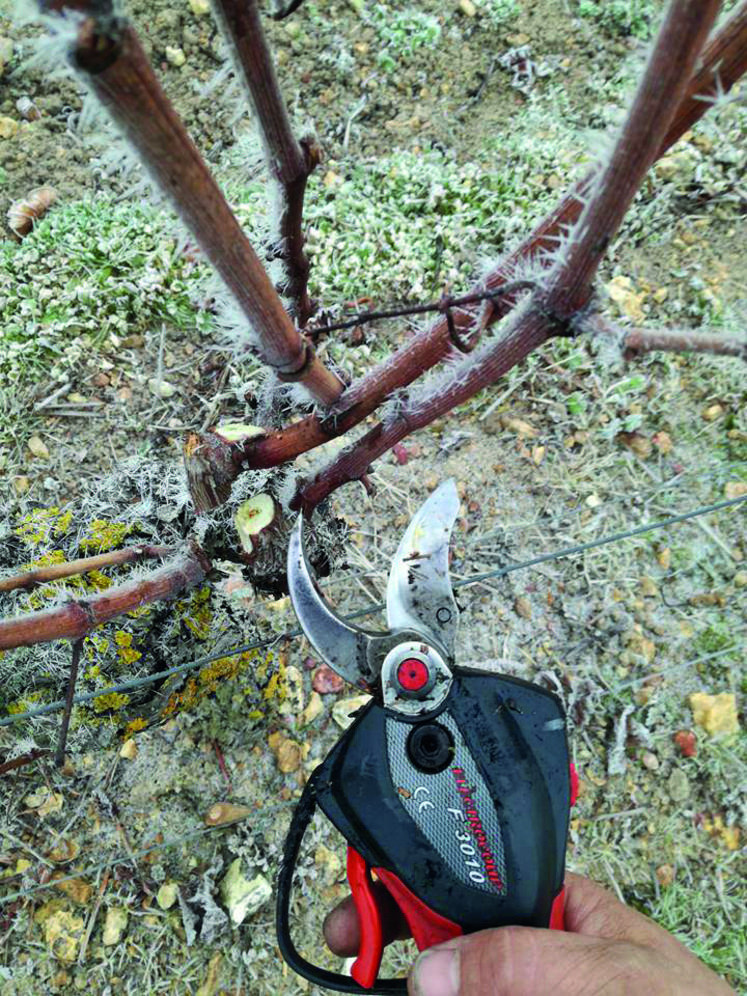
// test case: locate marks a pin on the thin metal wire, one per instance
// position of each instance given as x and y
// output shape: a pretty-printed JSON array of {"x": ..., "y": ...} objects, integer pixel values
[{"x": 370, "y": 609}]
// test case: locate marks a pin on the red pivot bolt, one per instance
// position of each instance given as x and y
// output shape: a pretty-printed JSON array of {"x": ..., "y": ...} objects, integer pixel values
[{"x": 413, "y": 674}]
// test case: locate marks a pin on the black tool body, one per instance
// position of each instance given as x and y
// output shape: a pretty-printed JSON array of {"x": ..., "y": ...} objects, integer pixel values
[
  {"x": 452, "y": 786},
  {"x": 468, "y": 806}
]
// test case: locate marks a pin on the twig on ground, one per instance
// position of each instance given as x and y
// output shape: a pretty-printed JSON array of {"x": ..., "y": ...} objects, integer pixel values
[
  {"x": 637, "y": 341},
  {"x": 92, "y": 918},
  {"x": 59, "y": 758},
  {"x": 19, "y": 762},
  {"x": 222, "y": 765}
]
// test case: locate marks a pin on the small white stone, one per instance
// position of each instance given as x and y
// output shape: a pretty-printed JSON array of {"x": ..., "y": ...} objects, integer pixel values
[
  {"x": 175, "y": 56},
  {"x": 199, "y": 7},
  {"x": 167, "y": 894},
  {"x": 114, "y": 925},
  {"x": 241, "y": 897},
  {"x": 650, "y": 761},
  {"x": 161, "y": 388}
]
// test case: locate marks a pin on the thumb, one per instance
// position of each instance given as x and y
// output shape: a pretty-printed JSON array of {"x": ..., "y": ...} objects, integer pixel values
[{"x": 526, "y": 961}]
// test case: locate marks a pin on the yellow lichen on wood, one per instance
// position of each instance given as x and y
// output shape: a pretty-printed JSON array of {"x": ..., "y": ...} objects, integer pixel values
[
  {"x": 134, "y": 726},
  {"x": 208, "y": 679},
  {"x": 728, "y": 835},
  {"x": 125, "y": 651},
  {"x": 196, "y": 613}
]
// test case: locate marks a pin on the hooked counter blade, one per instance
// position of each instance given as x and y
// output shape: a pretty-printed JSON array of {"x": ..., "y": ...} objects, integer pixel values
[
  {"x": 419, "y": 594},
  {"x": 347, "y": 649}
]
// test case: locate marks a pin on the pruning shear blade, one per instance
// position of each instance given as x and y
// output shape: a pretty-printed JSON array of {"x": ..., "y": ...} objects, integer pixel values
[
  {"x": 420, "y": 602},
  {"x": 419, "y": 595}
]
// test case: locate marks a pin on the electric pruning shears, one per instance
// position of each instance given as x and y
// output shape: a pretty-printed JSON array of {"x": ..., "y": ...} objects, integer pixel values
[{"x": 453, "y": 785}]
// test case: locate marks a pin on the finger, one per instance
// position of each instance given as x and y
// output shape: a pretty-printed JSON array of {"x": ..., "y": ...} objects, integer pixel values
[
  {"x": 526, "y": 961},
  {"x": 593, "y": 910},
  {"x": 342, "y": 928}
]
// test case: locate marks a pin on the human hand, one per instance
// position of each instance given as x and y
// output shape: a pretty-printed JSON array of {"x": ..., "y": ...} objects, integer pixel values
[{"x": 607, "y": 949}]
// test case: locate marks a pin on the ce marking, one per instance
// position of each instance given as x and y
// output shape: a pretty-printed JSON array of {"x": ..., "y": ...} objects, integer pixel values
[{"x": 426, "y": 803}]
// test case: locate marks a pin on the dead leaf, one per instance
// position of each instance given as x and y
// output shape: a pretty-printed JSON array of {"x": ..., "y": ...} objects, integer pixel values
[
  {"x": 75, "y": 888},
  {"x": 63, "y": 851},
  {"x": 326, "y": 681},
  {"x": 343, "y": 712},
  {"x": 225, "y": 812},
  {"x": 713, "y": 412},
  {"x": 519, "y": 426},
  {"x": 210, "y": 985},
  {"x": 38, "y": 448},
  {"x": 44, "y": 801},
  {"x": 523, "y": 607},
  {"x": 637, "y": 442},
  {"x": 287, "y": 752},
  {"x": 313, "y": 709},
  {"x": 663, "y": 441},
  {"x": 686, "y": 743},
  {"x": 63, "y": 932},
  {"x": 128, "y": 750}
]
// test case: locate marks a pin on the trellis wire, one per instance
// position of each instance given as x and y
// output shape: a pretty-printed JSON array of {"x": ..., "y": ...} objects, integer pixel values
[{"x": 370, "y": 609}]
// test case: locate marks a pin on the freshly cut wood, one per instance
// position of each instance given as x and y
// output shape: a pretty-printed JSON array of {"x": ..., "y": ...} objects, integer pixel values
[
  {"x": 253, "y": 518},
  {"x": 238, "y": 432}
]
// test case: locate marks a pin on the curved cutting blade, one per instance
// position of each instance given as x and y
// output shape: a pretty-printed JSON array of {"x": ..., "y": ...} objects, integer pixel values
[
  {"x": 354, "y": 653},
  {"x": 419, "y": 595}
]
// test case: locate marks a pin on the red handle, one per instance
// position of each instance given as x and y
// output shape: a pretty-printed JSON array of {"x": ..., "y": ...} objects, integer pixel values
[
  {"x": 427, "y": 927},
  {"x": 366, "y": 966}
]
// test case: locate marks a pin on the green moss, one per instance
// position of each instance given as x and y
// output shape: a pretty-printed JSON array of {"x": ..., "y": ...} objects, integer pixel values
[
  {"x": 113, "y": 700},
  {"x": 499, "y": 12},
  {"x": 401, "y": 33},
  {"x": 716, "y": 638},
  {"x": 88, "y": 271},
  {"x": 622, "y": 17}
]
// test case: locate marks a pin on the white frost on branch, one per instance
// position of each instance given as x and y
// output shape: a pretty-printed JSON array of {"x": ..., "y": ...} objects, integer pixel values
[{"x": 50, "y": 51}]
